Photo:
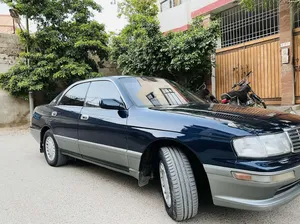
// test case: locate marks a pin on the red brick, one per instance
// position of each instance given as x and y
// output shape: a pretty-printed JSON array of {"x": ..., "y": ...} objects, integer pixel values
[{"x": 287, "y": 70}]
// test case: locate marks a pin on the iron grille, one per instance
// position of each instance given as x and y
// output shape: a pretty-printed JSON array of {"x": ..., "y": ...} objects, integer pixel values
[
  {"x": 239, "y": 25},
  {"x": 294, "y": 135}
]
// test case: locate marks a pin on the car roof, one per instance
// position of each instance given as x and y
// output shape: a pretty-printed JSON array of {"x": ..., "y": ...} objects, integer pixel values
[
  {"x": 112, "y": 78},
  {"x": 107, "y": 78}
]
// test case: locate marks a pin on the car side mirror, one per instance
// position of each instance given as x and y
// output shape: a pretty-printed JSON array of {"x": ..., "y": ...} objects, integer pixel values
[{"x": 111, "y": 104}]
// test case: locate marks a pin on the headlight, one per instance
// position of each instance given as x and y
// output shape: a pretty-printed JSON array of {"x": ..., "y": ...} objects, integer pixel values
[{"x": 262, "y": 146}]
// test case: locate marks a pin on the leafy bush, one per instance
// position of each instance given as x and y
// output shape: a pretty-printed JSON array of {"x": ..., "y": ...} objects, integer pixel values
[{"x": 142, "y": 49}]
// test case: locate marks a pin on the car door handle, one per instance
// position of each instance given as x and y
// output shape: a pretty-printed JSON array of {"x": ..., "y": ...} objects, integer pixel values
[
  {"x": 84, "y": 117},
  {"x": 53, "y": 114}
]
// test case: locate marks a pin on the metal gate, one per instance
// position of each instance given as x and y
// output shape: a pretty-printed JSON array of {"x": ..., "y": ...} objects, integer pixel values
[
  {"x": 250, "y": 42},
  {"x": 262, "y": 57}
]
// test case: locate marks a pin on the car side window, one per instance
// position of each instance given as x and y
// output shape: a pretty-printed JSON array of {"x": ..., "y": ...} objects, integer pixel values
[
  {"x": 76, "y": 95},
  {"x": 54, "y": 101},
  {"x": 101, "y": 90}
]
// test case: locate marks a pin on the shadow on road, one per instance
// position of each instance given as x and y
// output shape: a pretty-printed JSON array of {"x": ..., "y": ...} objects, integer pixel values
[
  {"x": 208, "y": 213},
  {"x": 113, "y": 176}
]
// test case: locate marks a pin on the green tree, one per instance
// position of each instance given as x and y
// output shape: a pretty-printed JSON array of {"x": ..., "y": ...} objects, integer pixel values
[
  {"x": 142, "y": 49},
  {"x": 138, "y": 49},
  {"x": 61, "y": 50},
  {"x": 190, "y": 53}
]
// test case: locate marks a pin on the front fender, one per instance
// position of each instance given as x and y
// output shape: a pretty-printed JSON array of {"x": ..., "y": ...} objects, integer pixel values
[{"x": 209, "y": 145}]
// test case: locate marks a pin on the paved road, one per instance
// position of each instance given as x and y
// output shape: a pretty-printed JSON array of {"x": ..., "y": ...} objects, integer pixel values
[{"x": 33, "y": 192}]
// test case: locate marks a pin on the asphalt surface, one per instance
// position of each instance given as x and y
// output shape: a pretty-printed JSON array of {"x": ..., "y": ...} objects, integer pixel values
[{"x": 33, "y": 192}]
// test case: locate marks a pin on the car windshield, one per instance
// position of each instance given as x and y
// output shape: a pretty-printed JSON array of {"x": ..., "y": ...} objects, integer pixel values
[{"x": 147, "y": 92}]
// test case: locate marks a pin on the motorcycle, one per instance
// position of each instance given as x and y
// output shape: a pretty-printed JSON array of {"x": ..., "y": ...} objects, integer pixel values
[
  {"x": 203, "y": 93},
  {"x": 244, "y": 96}
]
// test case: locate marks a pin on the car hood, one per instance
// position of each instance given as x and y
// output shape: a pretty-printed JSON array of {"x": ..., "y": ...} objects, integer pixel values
[{"x": 252, "y": 120}]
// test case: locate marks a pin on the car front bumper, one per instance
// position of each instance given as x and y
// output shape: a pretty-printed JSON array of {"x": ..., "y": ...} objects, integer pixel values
[{"x": 230, "y": 192}]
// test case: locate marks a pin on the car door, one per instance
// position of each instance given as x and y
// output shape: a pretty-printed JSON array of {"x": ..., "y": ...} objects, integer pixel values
[
  {"x": 65, "y": 116},
  {"x": 103, "y": 132}
]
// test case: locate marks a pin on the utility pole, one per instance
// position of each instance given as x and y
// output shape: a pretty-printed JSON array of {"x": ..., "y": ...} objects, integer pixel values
[
  {"x": 30, "y": 95},
  {"x": 15, "y": 15}
]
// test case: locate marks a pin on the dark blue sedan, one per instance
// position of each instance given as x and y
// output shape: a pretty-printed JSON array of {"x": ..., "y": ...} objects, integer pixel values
[{"x": 245, "y": 158}]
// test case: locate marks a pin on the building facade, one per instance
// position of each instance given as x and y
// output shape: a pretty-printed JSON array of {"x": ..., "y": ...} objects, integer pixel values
[{"x": 265, "y": 40}]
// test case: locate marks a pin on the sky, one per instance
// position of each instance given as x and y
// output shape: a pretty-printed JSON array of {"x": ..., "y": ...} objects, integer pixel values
[{"x": 108, "y": 16}]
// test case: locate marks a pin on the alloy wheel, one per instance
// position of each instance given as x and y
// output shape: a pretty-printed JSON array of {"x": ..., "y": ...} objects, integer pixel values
[
  {"x": 165, "y": 184},
  {"x": 50, "y": 148}
]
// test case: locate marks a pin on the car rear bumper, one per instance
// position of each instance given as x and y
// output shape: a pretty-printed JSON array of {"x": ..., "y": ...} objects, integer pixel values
[
  {"x": 230, "y": 192},
  {"x": 36, "y": 133}
]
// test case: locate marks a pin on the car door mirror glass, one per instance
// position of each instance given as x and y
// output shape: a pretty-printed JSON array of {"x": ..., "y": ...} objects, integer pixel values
[{"x": 111, "y": 104}]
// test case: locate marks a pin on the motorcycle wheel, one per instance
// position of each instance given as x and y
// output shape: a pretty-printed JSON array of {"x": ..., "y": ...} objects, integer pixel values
[
  {"x": 260, "y": 105},
  {"x": 234, "y": 102},
  {"x": 258, "y": 101}
]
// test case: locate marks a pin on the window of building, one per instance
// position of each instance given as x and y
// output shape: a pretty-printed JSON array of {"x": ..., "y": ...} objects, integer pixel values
[
  {"x": 76, "y": 95},
  {"x": 239, "y": 25},
  {"x": 167, "y": 4},
  {"x": 170, "y": 96},
  {"x": 296, "y": 16},
  {"x": 101, "y": 90},
  {"x": 151, "y": 97}
]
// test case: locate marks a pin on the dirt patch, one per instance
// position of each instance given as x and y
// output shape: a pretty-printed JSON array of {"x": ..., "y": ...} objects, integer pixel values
[
  {"x": 24, "y": 129},
  {"x": 21, "y": 121}
]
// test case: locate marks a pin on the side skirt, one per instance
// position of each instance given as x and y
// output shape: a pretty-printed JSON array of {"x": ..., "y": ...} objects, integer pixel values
[{"x": 105, "y": 164}]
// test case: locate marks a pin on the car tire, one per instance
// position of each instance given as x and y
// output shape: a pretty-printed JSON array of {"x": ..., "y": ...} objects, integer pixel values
[
  {"x": 178, "y": 184},
  {"x": 52, "y": 153}
]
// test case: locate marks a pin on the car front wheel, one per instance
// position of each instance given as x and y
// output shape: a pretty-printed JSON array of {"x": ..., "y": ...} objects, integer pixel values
[
  {"x": 178, "y": 184},
  {"x": 52, "y": 153}
]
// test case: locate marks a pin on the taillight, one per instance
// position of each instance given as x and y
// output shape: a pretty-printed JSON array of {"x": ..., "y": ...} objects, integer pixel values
[{"x": 224, "y": 101}]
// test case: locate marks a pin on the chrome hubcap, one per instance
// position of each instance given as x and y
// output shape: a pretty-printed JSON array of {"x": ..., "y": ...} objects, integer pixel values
[
  {"x": 165, "y": 184},
  {"x": 50, "y": 148}
]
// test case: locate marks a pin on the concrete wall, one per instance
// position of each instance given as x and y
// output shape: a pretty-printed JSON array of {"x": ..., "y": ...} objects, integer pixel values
[
  {"x": 13, "y": 111},
  {"x": 179, "y": 17},
  {"x": 175, "y": 18},
  {"x": 196, "y": 4},
  {"x": 109, "y": 69}
]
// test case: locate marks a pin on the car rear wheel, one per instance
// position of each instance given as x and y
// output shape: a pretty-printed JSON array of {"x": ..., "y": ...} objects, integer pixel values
[
  {"x": 178, "y": 184},
  {"x": 52, "y": 153}
]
